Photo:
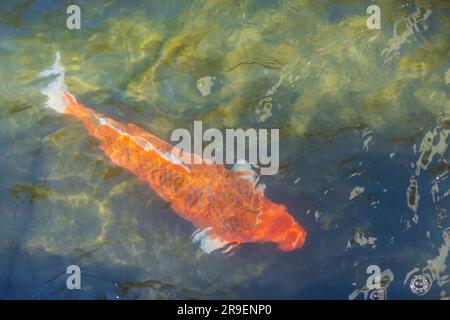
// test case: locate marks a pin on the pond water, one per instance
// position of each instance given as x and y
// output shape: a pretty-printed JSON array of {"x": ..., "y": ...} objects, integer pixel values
[{"x": 364, "y": 119}]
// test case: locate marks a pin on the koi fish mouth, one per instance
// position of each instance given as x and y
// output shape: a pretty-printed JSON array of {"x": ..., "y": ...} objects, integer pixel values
[
  {"x": 278, "y": 226},
  {"x": 294, "y": 239}
]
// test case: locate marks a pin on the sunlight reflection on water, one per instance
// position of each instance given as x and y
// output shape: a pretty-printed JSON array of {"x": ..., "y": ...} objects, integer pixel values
[{"x": 311, "y": 69}]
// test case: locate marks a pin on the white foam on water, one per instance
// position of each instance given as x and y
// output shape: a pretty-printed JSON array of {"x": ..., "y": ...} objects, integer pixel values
[
  {"x": 412, "y": 195},
  {"x": 356, "y": 192},
  {"x": 436, "y": 268},
  {"x": 434, "y": 143},
  {"x": 366, "y": 143},
  {"x": 362, "y": 239},
  {"x": 205, "y": 84},
  {"x": 404, "y": 29}
]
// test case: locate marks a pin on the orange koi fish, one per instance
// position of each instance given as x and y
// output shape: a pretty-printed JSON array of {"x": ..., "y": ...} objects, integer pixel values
[{"x": 227, "y": 208}]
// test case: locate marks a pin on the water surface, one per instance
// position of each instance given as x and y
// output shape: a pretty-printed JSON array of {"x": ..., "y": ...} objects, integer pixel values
[{"x": 364, "y": 118}]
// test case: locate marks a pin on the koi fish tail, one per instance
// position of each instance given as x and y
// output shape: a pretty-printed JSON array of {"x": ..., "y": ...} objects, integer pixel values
[{"x": 56, "y": 91}]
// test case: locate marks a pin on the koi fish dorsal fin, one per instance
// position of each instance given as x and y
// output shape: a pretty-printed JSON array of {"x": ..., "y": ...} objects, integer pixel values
[
  {"x": 164, "y": 147},
  {"x": 154, "y": 140},
  {"x": 150, "y": 142}
]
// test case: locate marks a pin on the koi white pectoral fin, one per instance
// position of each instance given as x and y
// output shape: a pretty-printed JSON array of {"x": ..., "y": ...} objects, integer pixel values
[
  {"x": 56, "y": 89},
  {"x": 207, "y": 243}
]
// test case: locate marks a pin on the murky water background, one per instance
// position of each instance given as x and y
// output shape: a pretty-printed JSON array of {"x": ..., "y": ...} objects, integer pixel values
[{"x": 364, "y": 118}]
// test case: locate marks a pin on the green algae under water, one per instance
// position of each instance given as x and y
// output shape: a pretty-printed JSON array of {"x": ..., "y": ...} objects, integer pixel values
[{"x": 364, "y": 123}]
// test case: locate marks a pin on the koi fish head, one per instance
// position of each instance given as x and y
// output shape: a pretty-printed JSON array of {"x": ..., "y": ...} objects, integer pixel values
[{"x": 278, "y": 226}]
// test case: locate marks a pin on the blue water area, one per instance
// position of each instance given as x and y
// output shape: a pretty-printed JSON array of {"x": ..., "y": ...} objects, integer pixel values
[{"x": 363, "y": 116}]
